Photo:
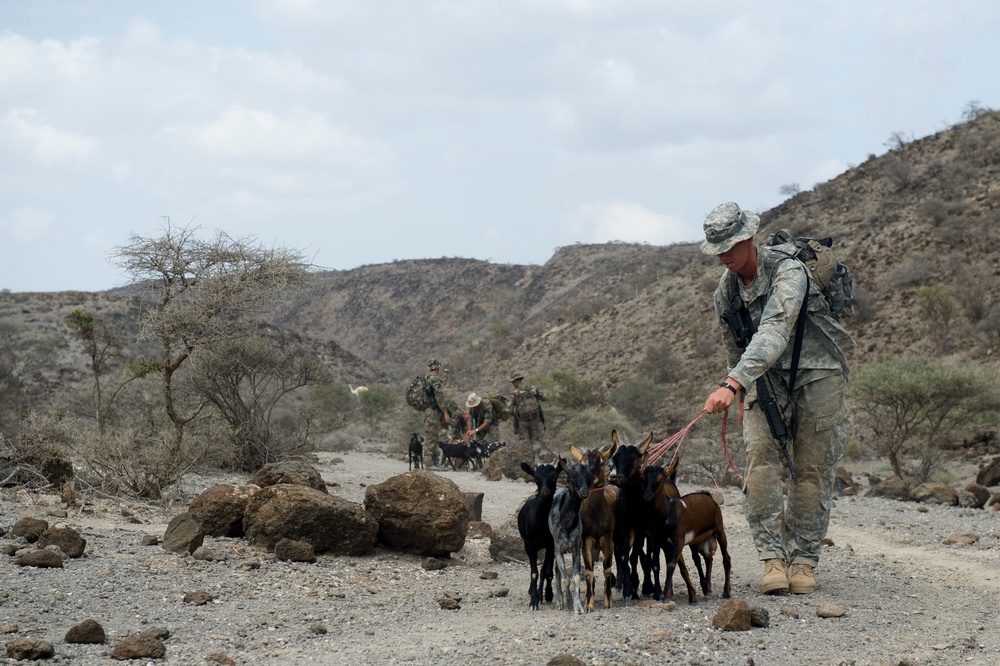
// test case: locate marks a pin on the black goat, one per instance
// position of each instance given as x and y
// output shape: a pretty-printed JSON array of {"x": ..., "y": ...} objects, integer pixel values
[
  {"x": 533, "y": 525},
  {"x": 450, "y": 453},
  {"x": 415, "y": 455},
  {"x": 629, "y": 509}
]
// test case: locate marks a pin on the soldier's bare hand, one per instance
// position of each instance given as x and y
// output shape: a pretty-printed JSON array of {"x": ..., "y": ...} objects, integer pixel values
[{"x": 720, "y": 400}]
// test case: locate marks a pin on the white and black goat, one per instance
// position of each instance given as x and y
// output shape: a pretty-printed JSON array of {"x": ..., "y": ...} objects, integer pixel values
[{"x": 567, "y": 528}]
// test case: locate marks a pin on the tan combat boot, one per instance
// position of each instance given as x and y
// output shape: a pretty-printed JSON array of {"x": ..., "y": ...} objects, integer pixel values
[
  {"x": 802, "y": 580},
  {"x": 775, "y": 577}
]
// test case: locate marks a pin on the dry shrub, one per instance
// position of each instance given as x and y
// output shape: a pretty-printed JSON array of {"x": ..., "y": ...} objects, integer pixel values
[
  {"x": 898, "y": 172},
  {"x": 907, "y": 272}
]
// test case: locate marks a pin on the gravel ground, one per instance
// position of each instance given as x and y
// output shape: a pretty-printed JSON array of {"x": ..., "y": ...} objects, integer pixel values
[{"x": 909, "y": 595}]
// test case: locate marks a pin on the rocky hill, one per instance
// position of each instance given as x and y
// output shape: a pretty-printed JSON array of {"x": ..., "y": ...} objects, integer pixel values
[{"x": 916, "y": 226}]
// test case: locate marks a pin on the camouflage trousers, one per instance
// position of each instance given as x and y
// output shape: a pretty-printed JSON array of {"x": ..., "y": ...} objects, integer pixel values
[
  {"x": 791, "y": 530},
  {"x": 434, "y": 431},
  {"x": 531, "y": 431}
]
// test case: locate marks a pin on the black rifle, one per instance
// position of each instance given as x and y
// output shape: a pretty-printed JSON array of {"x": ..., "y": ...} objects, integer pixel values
[{"x": 737, "y": 317}]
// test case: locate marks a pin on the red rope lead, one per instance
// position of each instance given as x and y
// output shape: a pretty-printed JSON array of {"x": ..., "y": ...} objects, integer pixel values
[
  {"x": 727, "y": 457},
  {"x": 657, "y": 451}
]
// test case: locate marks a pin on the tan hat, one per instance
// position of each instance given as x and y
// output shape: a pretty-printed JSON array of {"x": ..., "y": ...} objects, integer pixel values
[
  {"x": 726, "y": 226},
  {"x": 472, "y": 401}
]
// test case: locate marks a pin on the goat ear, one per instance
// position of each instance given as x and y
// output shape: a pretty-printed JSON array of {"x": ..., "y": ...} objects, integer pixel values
[
  {"x": 614, "y": 437},
  {"x": 529, "y": 470},
  {"x": 606, "y": 455},
  {"x": 645, "y": 443},
  {"x": 671, "y": 471},
  {"x": 575, "y": 452}
]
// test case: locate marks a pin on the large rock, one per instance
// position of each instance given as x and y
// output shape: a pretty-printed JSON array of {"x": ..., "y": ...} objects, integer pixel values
[
  {"x": 42, "y": 559},
  {"x": 184, "y": 534},
  {"x": 419, "y": 512},
  {"x": 29, "y": 649},
  {"x": 733, "y": 615},
  {"x": 29, "y": 528},
  {"x": 331, "y": 524},
  {"x": 293, "y": 471},
  {"x": 220, "y": 509},
  {"x": 506, "y": 463},
  {"x": 66, "y": 538},
  {"x": 506, "y": 544},
  {"x": 89, "y": 631},
  {"x": 892, "y": 488},
  {"x": 935, "y": 493},
  {"x": 989, "y": 474},
  {"x": 979, "y": 493}
]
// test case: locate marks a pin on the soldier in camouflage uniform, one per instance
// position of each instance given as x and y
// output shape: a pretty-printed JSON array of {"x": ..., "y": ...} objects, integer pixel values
[
  {"x": 483, "y": 424},
  {"x": 772, "y": 285},
  {"x": 436, "y": 417},
  {"x": 527, "y": 413}
]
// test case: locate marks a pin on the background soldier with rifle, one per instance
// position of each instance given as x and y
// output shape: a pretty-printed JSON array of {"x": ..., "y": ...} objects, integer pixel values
[
  {"x": 791, "y": 372},
  {"x": 436, "y": 416},
  {"x": 529, "y": 419}
]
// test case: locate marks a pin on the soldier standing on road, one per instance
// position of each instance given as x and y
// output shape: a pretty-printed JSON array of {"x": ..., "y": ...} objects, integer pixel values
[
  {"x": 436, "y": 417},
  {"x": 529, "y": 420},
  {"x": 768, "y": 286}
]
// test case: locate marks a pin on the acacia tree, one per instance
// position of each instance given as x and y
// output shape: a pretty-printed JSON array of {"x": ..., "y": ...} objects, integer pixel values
[
  {"x": 912, "y": 405},
  {"x": 245, "y": 379},
  {"x": 198, "y": 293}
]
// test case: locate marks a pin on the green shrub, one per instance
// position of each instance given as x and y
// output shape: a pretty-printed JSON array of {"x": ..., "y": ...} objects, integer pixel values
[{"x": 638, "y": 400}]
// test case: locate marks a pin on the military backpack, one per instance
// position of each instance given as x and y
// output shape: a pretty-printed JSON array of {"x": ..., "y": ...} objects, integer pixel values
[
  {"x": 418, "y": 395},
  {"x": 819, "y": 258},
  {"x": 500, "y": 409}
]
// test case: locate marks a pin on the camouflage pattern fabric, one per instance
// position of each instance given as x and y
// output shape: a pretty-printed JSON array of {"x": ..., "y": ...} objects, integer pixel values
[
  {"x": 483, "y": 414},
  {"x": 530, "y": 429},
  {"x": 790, "y": 532},
  {"x": 435, "y": 428}
]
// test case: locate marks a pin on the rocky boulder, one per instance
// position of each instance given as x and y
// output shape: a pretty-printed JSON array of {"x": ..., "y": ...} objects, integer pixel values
[
  {"x": 184, "y": 534},
  {"x": 220, "y": 509},
  {"x": 892, "y": 488},
  {"x": 935, "y": 493},
  {"x": 506, "y": 544},
  {"x": 66, "y": 538},
  {"x": 420, "y": 512},
  {"x": 989, "y": 474},
  {"x": 290, "y": 511},
  {"x": 506, "y": 463},
  {"x": 29, "y": 529},
  {"x": 292, "y": 471}
]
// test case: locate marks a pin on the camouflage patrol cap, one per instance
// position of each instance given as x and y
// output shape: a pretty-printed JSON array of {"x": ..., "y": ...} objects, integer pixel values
[
  {"x": 514, "y": 376},
  {"x": 433, "y": 364},
  {"x": 726, "y": 226}
]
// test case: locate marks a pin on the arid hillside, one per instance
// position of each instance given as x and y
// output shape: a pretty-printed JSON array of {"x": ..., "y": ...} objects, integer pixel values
[{"x": 916, "y": 225}]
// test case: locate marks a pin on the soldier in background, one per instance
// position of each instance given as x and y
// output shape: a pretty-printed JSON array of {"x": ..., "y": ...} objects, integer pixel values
[
  {"x": 529, "y": 420},
  {"x": 436, "y": 417},
  {"x": 483, "y": 424}
]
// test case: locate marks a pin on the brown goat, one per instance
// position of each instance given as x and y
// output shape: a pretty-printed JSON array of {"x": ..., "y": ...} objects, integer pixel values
[
  {"x": 693, "y": 520},
  {"x": 597, "y": 513}
]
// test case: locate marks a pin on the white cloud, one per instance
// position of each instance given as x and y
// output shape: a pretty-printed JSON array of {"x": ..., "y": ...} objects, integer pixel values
[
  {"x": 631, "y": 222},
  {"x": 28, "y": 225},
  {"x": 47, "y": 144}
]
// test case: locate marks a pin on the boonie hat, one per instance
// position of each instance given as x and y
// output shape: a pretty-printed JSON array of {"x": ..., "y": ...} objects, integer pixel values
[
  {"x": 516, "y": 375},
  {"x": 472, "y": 401},
  {"x": 726, "y": 226},
  {"x": 433, "y": 363}
]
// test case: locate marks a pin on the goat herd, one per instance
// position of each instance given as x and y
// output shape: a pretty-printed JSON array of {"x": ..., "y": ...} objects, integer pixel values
[
  {"x": 633, "y": 517},
  {"x": 458, "y": 455}
]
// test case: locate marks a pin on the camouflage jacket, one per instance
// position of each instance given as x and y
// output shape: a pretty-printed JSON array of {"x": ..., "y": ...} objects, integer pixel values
[
  {"x": 482, "y": 414},
  {"x": 437, "y": 388},
  {"x": 524, "y": 400},
  {"x": 774, "y": 300}
]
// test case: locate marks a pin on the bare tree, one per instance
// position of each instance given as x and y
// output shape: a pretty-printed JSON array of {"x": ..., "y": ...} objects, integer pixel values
[
  {"x": 245, "y": 379},
  {"x": 197, "y": 293}
]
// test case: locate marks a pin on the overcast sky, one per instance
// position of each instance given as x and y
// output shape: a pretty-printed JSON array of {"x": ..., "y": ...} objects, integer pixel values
[{"x": 368, "y": 131}]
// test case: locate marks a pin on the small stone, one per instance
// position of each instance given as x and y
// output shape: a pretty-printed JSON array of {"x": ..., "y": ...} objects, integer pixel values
[
  {"x": 759, "y": 616},
  {"x": 447, "y": 603},
  {"x": 220, "y": 658},
  {"x": 434, "y": 564},
  {"x": 8, "y": 628},
  {"x": 789, "y": 612},
  {"x": 489, "y": 575},
  {"x": 23, "y": 649},
  {"x": 87, "y": 632},
  {"x": 502, "y": 592},
  {"x": 831, "y": 610},
  {"x": 565, "y": 660},
  {"x": 139, "y": 647},
  {"x": 318, "y": 628},
  {"x": 197, "y": 598},
  {"x": 733, "y": 615},
  {"x": 149, "y": 540}
]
